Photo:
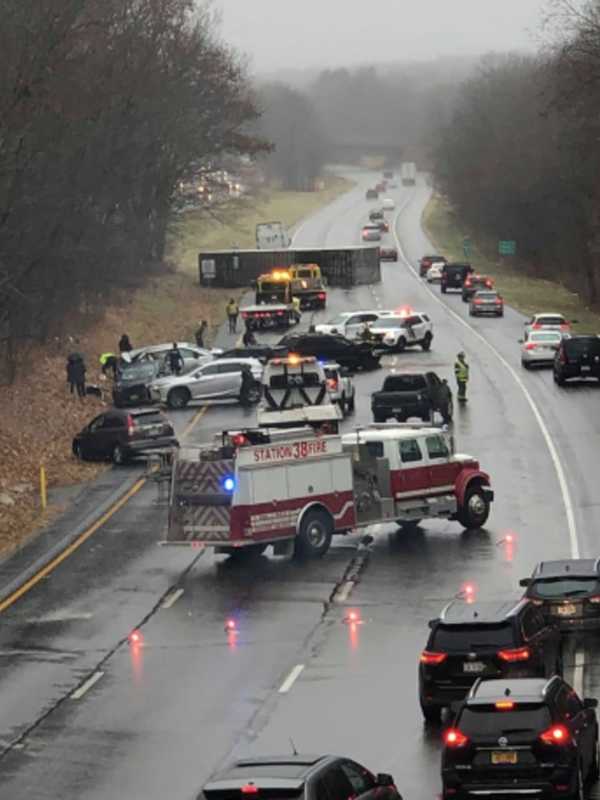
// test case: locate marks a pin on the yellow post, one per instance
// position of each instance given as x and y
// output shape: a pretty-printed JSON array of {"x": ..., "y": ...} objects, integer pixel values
[{"x": 43, "y": 488}]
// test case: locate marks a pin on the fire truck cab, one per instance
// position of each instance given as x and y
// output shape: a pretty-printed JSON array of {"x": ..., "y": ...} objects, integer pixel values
[{"x": 296, "y": 488}]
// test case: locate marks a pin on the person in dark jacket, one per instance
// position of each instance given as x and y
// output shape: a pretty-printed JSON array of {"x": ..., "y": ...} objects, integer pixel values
[
  {"x": 249, "y": 383},
  {"x": 201, "y": 332},
  {"x": 175, "y": 360},
  {"x": 76, "y": 374},
  {"x": 125, "y": 345},
  {"x": 249, "y": 338}
]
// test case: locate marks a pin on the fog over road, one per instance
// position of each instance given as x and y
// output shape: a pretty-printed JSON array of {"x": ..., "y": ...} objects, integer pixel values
[{"x": 161, "y": 717}]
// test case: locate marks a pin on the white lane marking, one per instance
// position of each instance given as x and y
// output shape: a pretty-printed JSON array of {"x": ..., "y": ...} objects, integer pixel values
[
  {"x": 61, "y": 616},
  {"x": 578, "y": 671},
  {"x": 560, "y": 473},
  {"x": 85, "y": 687},
  {"x": 291, "y": 679},
  {"x": 172, "y": 598}
]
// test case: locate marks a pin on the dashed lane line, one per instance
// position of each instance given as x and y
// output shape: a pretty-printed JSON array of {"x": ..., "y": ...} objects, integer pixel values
[
  {"x": 85, "y": 687},
  {"x": 171, "y": 599},
  {"x": 291, "y": 679}
]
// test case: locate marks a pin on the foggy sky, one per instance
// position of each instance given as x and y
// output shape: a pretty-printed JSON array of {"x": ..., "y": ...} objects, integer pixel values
[{"x": 284, "y": 34}]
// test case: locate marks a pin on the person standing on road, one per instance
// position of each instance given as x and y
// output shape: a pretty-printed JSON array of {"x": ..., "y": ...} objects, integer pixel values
[
  {"x": 248, "y": 338},
  {"x": 175, "y": 360},
  {"x": 76, "y": 374},
  {"x": 202, "y": 326},
  {"x": 296, "y": 308},
  {"x": 461, "y": 373},
  {"x": 125, "y": 345},
  {"x": 233, "y": 310}
]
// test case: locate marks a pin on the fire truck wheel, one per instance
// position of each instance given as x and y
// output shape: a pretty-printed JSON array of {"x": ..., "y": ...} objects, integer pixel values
[
  {"x": 178, "y": 398},
  {"x": 314, "y": 537},
  {"x": 475, "y": 509}
]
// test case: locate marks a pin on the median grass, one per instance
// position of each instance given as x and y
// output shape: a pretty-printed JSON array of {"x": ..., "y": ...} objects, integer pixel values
[
  {"x": 526, "y": 293},
  {"x": 194, "y": 232}
]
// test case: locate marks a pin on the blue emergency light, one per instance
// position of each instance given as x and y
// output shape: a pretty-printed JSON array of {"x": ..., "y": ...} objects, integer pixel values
[{"x": 229, "y": 483}]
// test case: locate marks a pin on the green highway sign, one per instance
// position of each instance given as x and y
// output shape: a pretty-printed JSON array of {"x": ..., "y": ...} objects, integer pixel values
[{"x": 507, "y": 248}]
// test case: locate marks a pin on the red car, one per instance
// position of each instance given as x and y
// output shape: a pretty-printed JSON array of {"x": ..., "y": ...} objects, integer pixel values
[
  {"x": 426, "y": 262},
  {"x": 388, "y": 254}
]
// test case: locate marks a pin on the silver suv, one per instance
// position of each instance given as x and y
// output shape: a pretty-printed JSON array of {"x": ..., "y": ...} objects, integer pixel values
[{"x": 216, "y": 380}]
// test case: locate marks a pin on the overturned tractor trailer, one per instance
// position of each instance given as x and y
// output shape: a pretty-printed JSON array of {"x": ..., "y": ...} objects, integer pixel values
[
  {"x": 294, "y": 489},
  {"x": 345, "y": 267}
]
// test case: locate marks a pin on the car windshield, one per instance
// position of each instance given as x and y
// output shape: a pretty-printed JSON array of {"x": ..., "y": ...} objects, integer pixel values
[
  {"x": 486, "y": 295},
  {"x": 565, "y": 587},
  {"x": 404, "y": 383},
  {"x": 460, "y": 638},
  {"x": 578, "y": 346},
  {"x": 149, "y": 418},
  {"x": 551, "y": 336},
  {"x": 143, "y": 370},
  {"x": 484, "y": 721},
  {"x": 390, "y": 322}
]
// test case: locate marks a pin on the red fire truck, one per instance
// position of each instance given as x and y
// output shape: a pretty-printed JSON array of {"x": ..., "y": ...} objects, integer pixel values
[{"x": 261, "y": 487}]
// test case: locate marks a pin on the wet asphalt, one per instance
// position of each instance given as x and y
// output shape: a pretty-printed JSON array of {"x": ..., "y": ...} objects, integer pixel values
[{"x": 162, "y": 715}]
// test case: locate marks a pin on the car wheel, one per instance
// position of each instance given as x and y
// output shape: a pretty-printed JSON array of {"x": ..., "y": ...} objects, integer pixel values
[
  {"x": 559, "y": 379},
  {"x": 118, "y": 456},
  {"x": 471, "y": 312},
  {"x": 526, "y": 364},
  {"x": 448, "y": 412},
  {"x": 343, "y": 405},
  {"x": 501, "y": 313},
  {"x": 372, "y": 363},
  {"x": 314, "y": 536},
  {"x": 426, "y": 343},
  {"x": 401, "y": 344},
  {"x": 443, "y": 289},
  {"x": 351, "y": 405},
  {"x": 431, "y": 714},
  {"x": 579, "y": 790},
  {"x": 474, "y": 510},
  {"x": 594, "y": 772},
  {"x": 178, "y": 398}
]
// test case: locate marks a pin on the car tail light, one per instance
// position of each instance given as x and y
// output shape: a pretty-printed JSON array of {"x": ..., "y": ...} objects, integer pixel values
[
  {"x": 244, "y": 314},
  {"x": 556, "y": 734},
  {"x": 536, "y": 326},
  {"x": 595, "y": 599},
  {"x": 504, "y": 705},
  {"x": 332, "y": 384},
  {"x": 249, "y": 788},
  {"x": 321, "y": 295},
  {"x": 564, "y": 327},
  {"x": 530, "y": 346},
  {"x": 562, "y": 356},
  {"x": 130, "y": 425},
  {"x": 453, "y": 737},
  {"x": 280, "y": 313},
  {"x": 468, "y": 282},
  {"x": 477, "y": 302},
  {"x": 433, "y": 659},
  {"x": 489, "y": 284},
  {"x": 515, "y": 654}
]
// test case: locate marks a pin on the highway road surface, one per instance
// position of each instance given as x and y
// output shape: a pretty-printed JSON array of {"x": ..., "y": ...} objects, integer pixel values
[{"x": 87, "y": 715}]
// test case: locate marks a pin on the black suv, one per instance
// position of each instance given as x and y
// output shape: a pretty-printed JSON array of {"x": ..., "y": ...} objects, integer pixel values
[
  {"x": 133, "y": 380},
  {"x": 521, "y": 737},
  {"x": 376, "y": 214},
  {"x": 299, "y": 777},
  {"x": 577, "y": 357},
  {"x": 262, "y": 352},
  {"x": 488, "y": 639},
  {"x": 121, "y": 435},
  {"x": 453, "y": 276},
  {"x": 567, "y": 591},
  {"x": 333, "y": 347}
]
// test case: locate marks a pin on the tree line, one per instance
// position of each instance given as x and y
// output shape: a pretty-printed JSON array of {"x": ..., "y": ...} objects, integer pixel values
[
  {"x": 104, "y": 105},
  {"x": 519, "y": 158}
]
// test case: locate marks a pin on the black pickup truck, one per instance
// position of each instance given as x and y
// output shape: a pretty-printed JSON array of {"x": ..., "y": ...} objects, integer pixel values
[{"x": 412, "y": 395}]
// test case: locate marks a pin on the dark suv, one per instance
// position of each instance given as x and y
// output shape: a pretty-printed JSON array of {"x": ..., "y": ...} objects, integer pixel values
[
  {"x": 577, "y": 357},
  {"x": 133, "y": 380},
  {"x": 490, "y": 639},
  {"x": 567, "y": 591},
  {"x": 298, "y": 777},
  {"x": 453, "y": 276},
  {"x": 121, "y": 435},
  {"x": 521, "y": 737},
  {"x": 333, "y": 347}
]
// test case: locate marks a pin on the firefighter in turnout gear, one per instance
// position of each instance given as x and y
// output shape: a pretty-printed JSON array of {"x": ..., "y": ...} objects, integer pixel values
[{"x": 461, "y": 372}]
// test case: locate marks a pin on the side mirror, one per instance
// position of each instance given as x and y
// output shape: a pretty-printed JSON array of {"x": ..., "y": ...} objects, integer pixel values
[
  {"x": 525, "y": 582},
  {"x": 590, "y": 702},
  {"x": 384, "y": 779}
]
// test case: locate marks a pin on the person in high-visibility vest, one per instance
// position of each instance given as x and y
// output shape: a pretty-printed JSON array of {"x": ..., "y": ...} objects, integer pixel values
[
  {"x": 233, "y": 310},
  {"x": 108, "y": 362},
  {"x": 296, "y": 308},
  {"x": 461, "y": 373}
]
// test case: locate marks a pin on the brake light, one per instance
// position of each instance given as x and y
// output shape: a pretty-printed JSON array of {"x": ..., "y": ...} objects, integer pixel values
[
  {"x": 557, "y": 734},
  {"x": 468, "y": 282},
  {"x": 489, "y": 284},
  {"x": 505, "y": 705},
  {"x": 536, "y": 326},
  {"x": 321, "y": 295},
  {"x": 249, "y": 788},
  {"x": 130, "y": 425},
  {"x": 530, "y": 346},
  {"x": 239, "y": 440},
  {"x": 564, "y": 327},
  {"x": 595, "y": 599},
  {"x": 332, "y": 384},
  {"x": 453, "y": 737},
  {"x": 477, "y": 302},
  {"x": 515, "y": 654},
  {"x": 433, "y": 659},
  {"x": 562, "y": 356},
  {"x": 499, "y": 301}
]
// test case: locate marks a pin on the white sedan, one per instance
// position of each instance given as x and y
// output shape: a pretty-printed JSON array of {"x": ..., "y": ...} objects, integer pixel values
[
  {"x": 539, "y": 347},
  {"x": 434, "y": 273},
  {"x": 216, "y": 381}
]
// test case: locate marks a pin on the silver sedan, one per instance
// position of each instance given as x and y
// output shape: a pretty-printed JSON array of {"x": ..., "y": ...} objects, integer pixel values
[{"x": 539, "y": 347}]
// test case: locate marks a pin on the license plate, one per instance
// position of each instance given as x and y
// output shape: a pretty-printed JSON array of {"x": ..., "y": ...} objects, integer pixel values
[
  {"x": 397, "y": 411},
  {"x": 566, "y": 610},
  {"x": 134, "y": 397},
  {"x": 504, "y": 757},
  {"x": 473, "y": 666},
  {"x": 586, "y": 368}
]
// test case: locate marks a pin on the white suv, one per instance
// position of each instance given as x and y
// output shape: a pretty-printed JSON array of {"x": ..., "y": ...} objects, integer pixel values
[
  {"x": 399, "y": 332},
  {"x": 339, "y": 386},
  {"x": 351, "y": 323}
]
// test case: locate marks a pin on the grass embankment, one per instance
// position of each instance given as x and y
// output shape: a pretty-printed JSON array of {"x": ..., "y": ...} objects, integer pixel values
[
  {"x": 193, "y": 232},
  {"x": 39, "y": 417},
  {"x": 526, "y": 293}
]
